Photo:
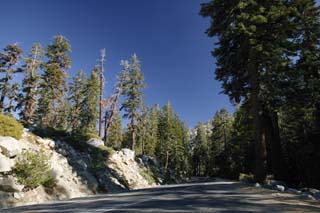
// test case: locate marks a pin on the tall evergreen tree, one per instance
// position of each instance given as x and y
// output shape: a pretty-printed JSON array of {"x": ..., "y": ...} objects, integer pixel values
[
  {"x": 133, "y": 96},
  {"x": 115, "y": 134},
  {"x": 8, "y": 59},
  {"x": 54, "y": 85},
  {"x": 77, "y": 90},
  {"x": 30, "y": 84},
  {"x": 89, "y": 113},
  {"x": 200, "y": 152},
  {"x": 251, "y": 62}
]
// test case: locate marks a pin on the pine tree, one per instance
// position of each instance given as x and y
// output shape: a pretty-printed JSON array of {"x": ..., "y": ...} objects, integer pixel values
[
  {"x": 219, "y": 143},
  {"x": 30, "y": 83},
  {"x": 152, "y": 130},
  {"x": 165, "y": 148},
  {"x": 115, "y": 133},
  {"x": 53, "y": 86},
  {"x": 77, "y": 96},
  {"x": 89, "y": 113},
  {"x": 200, "y": 152},
  {"x": 133, "y": 96},
  {"x": 8, "y": 59},
  {"x": 14, "y": 96},
  {"x": 251, "y": 62}
]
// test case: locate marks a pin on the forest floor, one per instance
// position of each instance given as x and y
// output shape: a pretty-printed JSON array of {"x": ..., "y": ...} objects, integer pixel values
[{"x": 215, "y": 196}]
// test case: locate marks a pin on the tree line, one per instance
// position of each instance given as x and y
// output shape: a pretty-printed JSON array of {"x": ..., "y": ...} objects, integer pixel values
[{"x": 48, "y": 99}]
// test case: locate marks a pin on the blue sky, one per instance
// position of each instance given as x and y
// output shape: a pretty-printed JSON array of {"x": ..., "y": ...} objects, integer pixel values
[{"x": 167, "y": 35}]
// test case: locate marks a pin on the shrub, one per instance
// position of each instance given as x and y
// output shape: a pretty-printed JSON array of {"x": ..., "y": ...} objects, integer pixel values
[
  {"x": 247, "y": 178},
  {"x": 78, "y": 140},
  {"x": 9, "y": 126},
  {"x": 32, "y": 170},
  {"x": 148, "y": 175},
  {"x": 99, "y": 157}
]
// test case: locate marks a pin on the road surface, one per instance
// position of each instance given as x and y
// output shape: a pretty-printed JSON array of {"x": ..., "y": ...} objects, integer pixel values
[{"x": 218, "y": 196}]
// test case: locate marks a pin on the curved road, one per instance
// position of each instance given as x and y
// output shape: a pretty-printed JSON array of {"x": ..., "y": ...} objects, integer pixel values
[{"x": 218, "y": 196}]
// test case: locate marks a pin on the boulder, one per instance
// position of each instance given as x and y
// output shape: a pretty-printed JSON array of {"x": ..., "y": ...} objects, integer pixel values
[
  {"x": 95, "y": 142},
  {"x": 6, "y": 164},
  {"x": 293, "y": 191},
  {"x": 9, "y": 184},
  {"x": 46, "y": 142},
  {"x": 128, "y": 154},
  {"x": 274, "y": 184},
  {"x": 280, "y": 188},
  {"x": 10, "y": 146},
  {"x": 257, "y": 185}
]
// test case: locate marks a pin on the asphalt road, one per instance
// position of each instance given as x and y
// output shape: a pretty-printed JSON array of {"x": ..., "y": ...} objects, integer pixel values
[{"x": 218, "y": 196}]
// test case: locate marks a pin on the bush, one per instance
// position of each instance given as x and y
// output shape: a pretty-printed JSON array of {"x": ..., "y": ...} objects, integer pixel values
[
  {"x": 99, "y": 157},
  {"x": 32, "y": 170},
  {"x": 78, "y": 140},
  {"x": 246, "y": 178},
  {"x": 9, "y": 126}
]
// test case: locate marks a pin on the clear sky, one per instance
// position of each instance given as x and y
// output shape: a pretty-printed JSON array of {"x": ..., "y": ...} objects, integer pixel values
[{"x": 167, "y": 35}]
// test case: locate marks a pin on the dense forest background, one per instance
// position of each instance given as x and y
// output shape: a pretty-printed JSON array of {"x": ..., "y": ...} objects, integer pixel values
[{"x": 267, "y": 62}]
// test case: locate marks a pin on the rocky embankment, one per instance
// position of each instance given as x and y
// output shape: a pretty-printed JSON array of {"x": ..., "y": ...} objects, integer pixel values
[{"x": 75, "y": 173}]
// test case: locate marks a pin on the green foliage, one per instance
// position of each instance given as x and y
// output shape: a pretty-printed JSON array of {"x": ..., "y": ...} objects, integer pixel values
[
  {"x": 99, "y": 157},
  {"x": 114, "y": 139},
  {"x": 172, "y": 148},
  {"x": 89, "y": 108},
  {"x": 149, "y": 175},
  {"x": 78, "y": 139},
  {"x": 32, "y": 170},
  {"x": 77, "y": 97},
  {"x": 248, "y": 178},
  {"x": 269, "y": 72},
  {"x": 8, "y": 59},
  {"x": 30, "y": 84},
  {"x": 51, "y": 111},
  {"x": 133, "y": 97},
  {"x": 9, "y": 126}
]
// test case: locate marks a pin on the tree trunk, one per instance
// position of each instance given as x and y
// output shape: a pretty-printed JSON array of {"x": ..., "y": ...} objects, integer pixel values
[
  {"x": 258, "y": 121},
  {"x": 133, "y": 135},
  {"x": 4, "y": 92},
  {"x": 167, "y": 160},
  {"x": 276, "y": 162},
  {"x": 317, "y": 114}
]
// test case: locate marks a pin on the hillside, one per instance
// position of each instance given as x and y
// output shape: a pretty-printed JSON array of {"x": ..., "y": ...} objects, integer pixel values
[{"x": 74, "y": 173}]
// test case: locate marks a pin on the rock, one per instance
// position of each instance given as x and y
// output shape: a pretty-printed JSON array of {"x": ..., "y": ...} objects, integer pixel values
[
  {"x": 129, "y": 154},
  {"x": 46, "y": 142},
  {"x": 18, "y": 196},
  {"x": 9, "y": 184},
  {"x": 10, "y": 146},
  {"x": 317, "y": 195},
  {"x": 293, "y": 191},
  {"x": 83, "y": 165},
  {"x": 280, "y": 188},
  {"x": 310, "y": 190},
  {"x": 6, "y": 164},
  {"x": 276, "y": 182},
  {"x": 95, "y": 142},
  {"x": 4, "y": 196}
]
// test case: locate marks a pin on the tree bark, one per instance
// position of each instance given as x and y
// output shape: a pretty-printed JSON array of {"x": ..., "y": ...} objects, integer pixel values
[
  {"x": 276, "y": 162},
  {"x": 258, "y": 121},
  {"x": 317, "y": 114},
  {"x": 133, "y": 135}
]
